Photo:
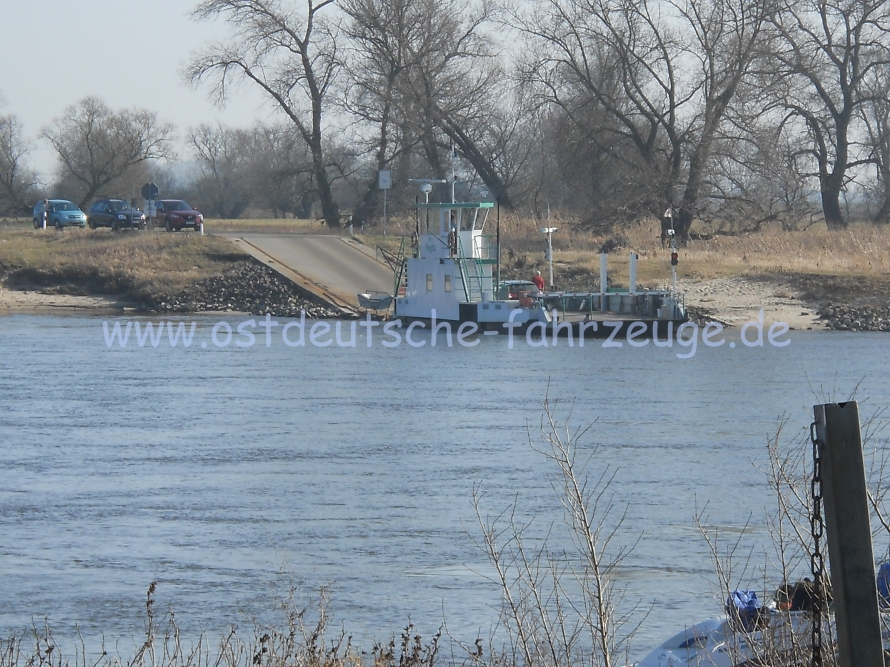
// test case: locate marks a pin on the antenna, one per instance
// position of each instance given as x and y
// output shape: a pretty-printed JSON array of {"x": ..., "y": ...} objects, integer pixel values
[{"x": 453, "y": 177}]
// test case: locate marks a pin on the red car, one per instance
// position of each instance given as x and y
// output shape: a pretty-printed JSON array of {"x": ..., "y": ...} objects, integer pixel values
[{"x": 177, "y": 214}]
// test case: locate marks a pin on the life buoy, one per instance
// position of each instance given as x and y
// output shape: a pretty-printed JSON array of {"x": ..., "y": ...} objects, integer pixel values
[{"x": 525, "y": 299}]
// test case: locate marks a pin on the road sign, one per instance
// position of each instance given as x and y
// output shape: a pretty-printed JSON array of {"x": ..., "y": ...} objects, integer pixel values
[
  {"x": 150, "y": 191},
  {"x": 384, "y": 179}
]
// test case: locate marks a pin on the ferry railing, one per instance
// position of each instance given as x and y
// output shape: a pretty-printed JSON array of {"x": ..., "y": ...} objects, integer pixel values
[
  {"x": 468, "y": 279},
  {"x": 485, "y": 248},
  {"x": 397, "y": 275},
  {"x": 396, "y": 262},
  {"x": 641, "y": 303}
]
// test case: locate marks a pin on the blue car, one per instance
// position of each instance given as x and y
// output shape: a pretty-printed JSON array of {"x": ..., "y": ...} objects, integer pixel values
[{"x": 60, "y": 213}]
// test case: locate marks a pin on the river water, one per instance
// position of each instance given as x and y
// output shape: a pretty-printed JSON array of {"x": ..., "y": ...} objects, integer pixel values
[{"x": 226, "y": 472}]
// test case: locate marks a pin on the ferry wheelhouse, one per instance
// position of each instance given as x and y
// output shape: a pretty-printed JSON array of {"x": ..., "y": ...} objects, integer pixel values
[{"x": 452, "y": 272}]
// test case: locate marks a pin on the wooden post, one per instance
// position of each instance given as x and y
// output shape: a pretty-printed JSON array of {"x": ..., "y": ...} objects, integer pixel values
[{"x": 849, "y": 535}]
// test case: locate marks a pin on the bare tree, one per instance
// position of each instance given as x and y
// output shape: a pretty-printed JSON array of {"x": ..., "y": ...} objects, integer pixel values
[
  {"x": 96, "y": 145},
  {"x": 16, "y": 180},
  {"x": 564, "y": 608},
  {"x": 380, "y": 33},
  {"x": 454, "y": 90},
  {"x": 279, "y": 171},
  {"x": 728, "y": 37},
  {"x": 875, "y": 116},
  {"x": 291, "y": 56},
  {"x": 222, "y": 155},
  {"x": 756, "y": 179},
  {"x": 665, "y": 73},
  {"x": 828, "y": 49}
]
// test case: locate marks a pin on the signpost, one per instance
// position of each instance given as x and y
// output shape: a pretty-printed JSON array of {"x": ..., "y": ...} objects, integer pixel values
[
  {"x": 150, "y": 192},
  {"x": 549, "y": 252},
  {"x": 384, "y": 182}
]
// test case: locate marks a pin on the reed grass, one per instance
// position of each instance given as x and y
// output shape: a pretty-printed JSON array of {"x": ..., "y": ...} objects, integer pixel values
[
  {"x": 853, "y": 261},
  {"x": 302, "y": 638}
]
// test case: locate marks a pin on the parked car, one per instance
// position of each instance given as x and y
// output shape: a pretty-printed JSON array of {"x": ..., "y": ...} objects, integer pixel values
[
  {"x": 62, "y": 213},
  {"x": 115, "y": 213},
  {"x": 177, "y": 214},
  {"x": 510, "y": 289}
]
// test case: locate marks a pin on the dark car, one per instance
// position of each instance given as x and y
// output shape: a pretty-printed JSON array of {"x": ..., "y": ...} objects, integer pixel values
[
  {"x": 115, "y": 213},
  {"x": 177, "y": 214}
]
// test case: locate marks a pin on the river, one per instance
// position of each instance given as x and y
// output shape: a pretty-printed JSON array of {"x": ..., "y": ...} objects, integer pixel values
[{"x": 225, "y": 473}]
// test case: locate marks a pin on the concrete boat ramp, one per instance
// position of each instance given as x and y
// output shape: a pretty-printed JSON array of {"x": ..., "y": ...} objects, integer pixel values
[{"x": 330, "y": 269}]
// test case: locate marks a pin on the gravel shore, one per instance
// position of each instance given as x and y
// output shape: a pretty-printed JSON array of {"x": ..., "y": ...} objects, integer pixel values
[
  {"x": 248, "y": 288},
  {"x": 253, "y": 288}
]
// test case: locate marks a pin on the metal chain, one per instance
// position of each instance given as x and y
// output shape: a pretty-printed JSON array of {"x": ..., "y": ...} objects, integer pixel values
[{"x": 817, "y": 561}]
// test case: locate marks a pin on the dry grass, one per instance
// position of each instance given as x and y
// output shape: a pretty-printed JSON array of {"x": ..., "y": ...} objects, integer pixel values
[
  {"x": 846, "y": 264},
  {"x": 860, "y": 254},
  {"x": 102, "y": 262},
  {"x": 289, "y": 225},
  {"x": 304, "y": 637}
]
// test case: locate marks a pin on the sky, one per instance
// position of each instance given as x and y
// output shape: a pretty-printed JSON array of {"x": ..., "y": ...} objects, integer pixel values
[{"x": 129, "y": 53}]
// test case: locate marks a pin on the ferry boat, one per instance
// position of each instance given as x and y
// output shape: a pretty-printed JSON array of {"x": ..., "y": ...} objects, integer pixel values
[{"x": 452, "y": 275}]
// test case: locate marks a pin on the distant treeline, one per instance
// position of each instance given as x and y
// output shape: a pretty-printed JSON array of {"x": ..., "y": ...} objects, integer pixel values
[{"x": 735, "y": 112}]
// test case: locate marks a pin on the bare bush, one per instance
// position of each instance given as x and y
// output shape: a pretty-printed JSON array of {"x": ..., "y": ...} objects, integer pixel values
[{"x": 562, "y": 608}]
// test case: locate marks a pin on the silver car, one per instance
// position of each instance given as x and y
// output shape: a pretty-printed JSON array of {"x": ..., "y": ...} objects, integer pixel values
[{"x": 60, "y": 213}]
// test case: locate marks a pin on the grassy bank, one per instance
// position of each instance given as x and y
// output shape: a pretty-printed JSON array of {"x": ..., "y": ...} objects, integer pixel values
[
  {"x": 288, "y": 225},
  {"x": 133, "y": 265},
  {"x": 821, "y": 265}
]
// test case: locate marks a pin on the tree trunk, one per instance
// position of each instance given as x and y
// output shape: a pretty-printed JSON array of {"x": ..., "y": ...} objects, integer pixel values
[
  {"x": 368, "y": 205},
  {"x": 92, "y": 189},
  {"x": 369, "y": 202},
  {"x": 480, "y": 163},
  {"x": 329, "y": 209},
  {"x": 883, "y": 215},
  {"x": 831, "y": 189},
  {"x": 715, "y": 108},
  {"x": 832, "y": 181},
  {"x": 303, "y": 209},
  {"x": 831, "y": 208},
  {"x": 692, "y": 190}
]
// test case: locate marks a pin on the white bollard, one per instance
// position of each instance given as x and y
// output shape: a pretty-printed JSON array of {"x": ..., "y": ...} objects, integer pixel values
[
  {"x": 201, "y": 228},
  {"x": 604, "y": 281}
]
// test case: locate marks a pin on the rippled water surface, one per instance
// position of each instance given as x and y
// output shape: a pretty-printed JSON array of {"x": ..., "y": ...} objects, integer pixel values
[{"x": 225, "y": 473}]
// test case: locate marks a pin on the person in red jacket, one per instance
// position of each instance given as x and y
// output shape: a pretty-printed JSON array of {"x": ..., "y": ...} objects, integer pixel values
[{"x": 538, "y": 280}]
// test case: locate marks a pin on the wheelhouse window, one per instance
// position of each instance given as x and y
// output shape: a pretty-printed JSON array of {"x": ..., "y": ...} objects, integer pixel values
[{"x": 429, "y": 282}]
